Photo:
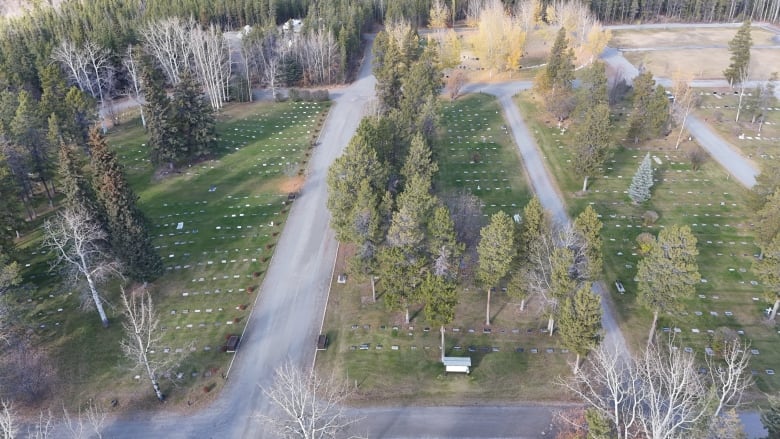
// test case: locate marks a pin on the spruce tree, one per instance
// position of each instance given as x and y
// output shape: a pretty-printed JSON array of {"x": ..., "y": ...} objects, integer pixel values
[
  {"x": 128, "y": 233},
  {"x": 157, "y": 111},
  {"x": 740, "y": 55},
  {"x": 83, "y": 114},
  {"x": 192, "y": 130},
  {"x": 668, "y": 273},
  {"x": 580, "y": 322},
  {"x": 588, "y": 225},
  {"x": 77, "y": 188},
  {"x": 9, "y": 209},
  {"x": 639, "y": 190},
  {"x": 496, "y": 251},
  {"x": 593, "y": 141}
]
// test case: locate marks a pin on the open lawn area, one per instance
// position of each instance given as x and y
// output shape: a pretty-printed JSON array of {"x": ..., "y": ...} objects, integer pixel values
[
  {"x": 215, "y": 224},
  {"x": 714, "y": 206},
  {"x": 394, "y": 362},
  {"x": 689, "y": 36},
  {"x": 702, "y": 63}
]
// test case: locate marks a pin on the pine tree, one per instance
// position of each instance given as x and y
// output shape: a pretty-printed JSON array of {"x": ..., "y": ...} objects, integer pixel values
[
  {"x": 443, "y": 248},
  {"x": 400, "y": 272},
  {"x": 534, "y": 225},
  {"x": 191, "y": 122},
  {"x": 580, "y": 322},
  {"x": 669, "y": 272},
  {"x": 588, "y": 225},
  {"x": 418, "y": 160},
  {"x": 28, "y": 132},
  {"x": 83, "y": 114},
  {"x": 345, "y": 177},
  {"x": 593, "y": 141},
  {"x": 592, "y": 90},
  {"x": 559, "y": 71},
  {"x": 408, "y": 225},
  {"x": 496, "y": 251},
  {"x": 639, "y": 190},
  {"x": 128, "y": 232},
  {"x": 157, "y": 111},
  {"x": 441, "y": 298},
  {"x": 9, "y": 209},
  {"x": 740, "y": 55},
  {"x": 644, "y": 87},
  {"x": 77, "y": 188}
]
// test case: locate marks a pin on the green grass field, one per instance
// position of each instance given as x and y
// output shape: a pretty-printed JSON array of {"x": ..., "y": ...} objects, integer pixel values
[
  {"x": 476, "y": 156},
  {"x": 755, "y": 140},
  {"x": 714, "y": 206},
  {"x": 215, "y": 224}
]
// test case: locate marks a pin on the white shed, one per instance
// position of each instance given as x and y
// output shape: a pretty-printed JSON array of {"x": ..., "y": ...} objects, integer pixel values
[{"x": 457, "y": 364}]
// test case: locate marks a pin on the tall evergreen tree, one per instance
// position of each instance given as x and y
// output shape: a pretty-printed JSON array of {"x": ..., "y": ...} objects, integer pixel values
[
  {"x": 83, "y": 114},
  {"x": 444, "y": 250},
  {"x": 639, "y": 189},
  {"x": 192, "y": 129},
  {"x": 580, "y": 322},
  {"x": 9, "y": 209},
  {"x": 588, "y": 225},
  {"x": 401, "y": 271},
  {"x": 496, "y": 251},
  {"x": 649, "y": 117},
  {"x": 441, "y": 298},
  {"x": 409, "y": 222},
  {"x": 669, "y": 272},
  {"x": 593, "y": 141},
  {"x": 157, "y": 110},
  {"x": 77, "y": 187},
  {"x": 128, "y": 233},
  {"x": 418, "y": 160},
  {"x": 559, "y": 71},
  {"x": 770, "y": 417},
  {"x": 346, "y": 177},
  {"x": 739, "y": 47},
  {"x": 28, "y": 132}
]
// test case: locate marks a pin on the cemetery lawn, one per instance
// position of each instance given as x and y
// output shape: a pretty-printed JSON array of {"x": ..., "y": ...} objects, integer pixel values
[
  {"x": 714, "y": 206},
  {"x": 755, "y": 141},
  {"x": 401, "y": 362},
  {"x": 215, "y": 225}
]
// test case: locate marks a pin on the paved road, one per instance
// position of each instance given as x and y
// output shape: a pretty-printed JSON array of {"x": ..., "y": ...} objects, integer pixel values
[{"x": 292, "y": 300}]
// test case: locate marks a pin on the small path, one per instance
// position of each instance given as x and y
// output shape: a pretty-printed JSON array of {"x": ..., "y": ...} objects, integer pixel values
[{"x": 547, "y": 191}]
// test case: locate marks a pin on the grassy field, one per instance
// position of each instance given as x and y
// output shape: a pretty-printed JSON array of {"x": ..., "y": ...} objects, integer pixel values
[
  {"x": 676, "y": 37},
  {"x": 709, "y": 202},
  {"x": 705, "y": 57},
  {"x": 702, "y": 63},
  {"x": 756, "y": 141},
  {"x": 401, "y": 362},
  {"x": 215, "y": 225}
]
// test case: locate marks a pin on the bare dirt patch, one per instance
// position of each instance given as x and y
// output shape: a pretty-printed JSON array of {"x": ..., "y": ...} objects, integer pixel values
[{"x": 291, "y": 185}]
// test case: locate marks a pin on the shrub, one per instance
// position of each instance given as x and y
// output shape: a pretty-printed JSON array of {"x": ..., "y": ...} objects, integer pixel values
[
  {"x": 645, "y": 242},
  {"x": 650, "y": 217}
]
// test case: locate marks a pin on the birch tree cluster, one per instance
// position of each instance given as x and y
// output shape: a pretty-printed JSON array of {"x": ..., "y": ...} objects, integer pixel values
[{"x": 664, "y": 392}]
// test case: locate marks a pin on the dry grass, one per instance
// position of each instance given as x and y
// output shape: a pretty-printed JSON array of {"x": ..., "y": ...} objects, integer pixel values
[
  {"x": 702, "y": 63},
  {"x": 694, "y": 36}
]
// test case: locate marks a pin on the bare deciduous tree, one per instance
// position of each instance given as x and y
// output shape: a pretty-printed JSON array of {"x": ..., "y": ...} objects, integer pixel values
[
  {"x": 134, "y": 87},
  {"x": 211, "y": 62},
  {"x": 78, "y": 242},
  {"x": 87, "y": 423},
  {"x": 661, "y": 394},
  {"x": 9, "y": 426},
  {"x": 89, "y": 67},
  {"x": 169, "y": 44},
  {"x": 309, "y": 406},
  {"x": 43, "y": 427},
  {"x": 731, "y": 377},
  {"x": 142, "y": 334},
  {"x": 684, "y": 100}
]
